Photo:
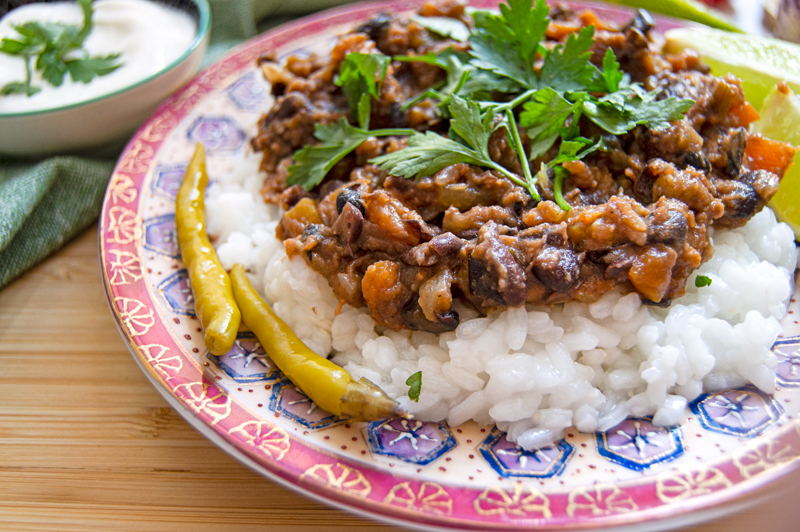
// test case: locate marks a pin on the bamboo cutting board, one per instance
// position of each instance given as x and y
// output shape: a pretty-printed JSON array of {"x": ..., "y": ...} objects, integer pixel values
[{"x": 88, "y": 444}]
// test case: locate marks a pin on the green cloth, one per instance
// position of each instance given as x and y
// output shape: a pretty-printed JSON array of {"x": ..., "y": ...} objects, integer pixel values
[{"x": 46, "y": 203}]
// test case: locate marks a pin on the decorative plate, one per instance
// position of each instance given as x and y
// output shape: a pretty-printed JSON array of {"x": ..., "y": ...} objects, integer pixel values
[{"x": 427, "y": 475}]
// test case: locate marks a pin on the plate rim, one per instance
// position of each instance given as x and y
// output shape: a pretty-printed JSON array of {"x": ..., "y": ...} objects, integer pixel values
[{"x": 659, "y": 517}]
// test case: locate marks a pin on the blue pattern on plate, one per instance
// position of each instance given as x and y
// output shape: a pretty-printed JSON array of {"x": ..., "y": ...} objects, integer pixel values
[
  {"x": 410, "y": 440},
  {"x": 248, "y": 93},
  {"x": 160, "y": 235},
  {"x": 740, "y": 412},
  {"x": 167, "y": 180},
  {"x": 177, "y": 291},
  {"x": 290, "y": 402},
  {"x": 217, "y": 133},
  {"x": 247, "y": 361},
  {"x": 511, "y": 460},
  {"x": 787, "y": 371},
  {"x": 638, "y": 444}
]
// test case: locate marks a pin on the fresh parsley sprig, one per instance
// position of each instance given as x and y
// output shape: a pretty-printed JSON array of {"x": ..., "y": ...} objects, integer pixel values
[
  {"x": 444, "y": 26},
  {"x": 507, "y": 44},
  {"x": 429, "y": 152},
  {"x": 57, "y": 48},
  {"x": 312, "y": 163},
  {"x": 462, "y": 79},
  {"x": 360, "y": 77},
  {"x": 557, "y": 86}
]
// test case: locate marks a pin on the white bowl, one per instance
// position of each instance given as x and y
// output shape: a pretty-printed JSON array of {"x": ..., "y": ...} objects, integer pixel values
[{"x": 108, "y": 120}]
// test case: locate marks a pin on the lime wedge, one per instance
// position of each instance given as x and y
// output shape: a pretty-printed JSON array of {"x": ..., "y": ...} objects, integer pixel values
[
  {"x": 780, "y": 120},
  {"x": 685, "y": 9},
  {"x": 760, "y": 62}
]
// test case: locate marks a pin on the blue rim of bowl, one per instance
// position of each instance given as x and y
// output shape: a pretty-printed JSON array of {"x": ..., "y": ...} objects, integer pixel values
[{"x": 203, "y": 29}]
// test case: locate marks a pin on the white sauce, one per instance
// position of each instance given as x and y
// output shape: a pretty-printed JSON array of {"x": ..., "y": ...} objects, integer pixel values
[{"x": 148, "y": 35}]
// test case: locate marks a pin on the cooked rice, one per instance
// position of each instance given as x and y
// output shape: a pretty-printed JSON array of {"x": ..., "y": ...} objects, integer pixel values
[{"x": 535, "y": 371}]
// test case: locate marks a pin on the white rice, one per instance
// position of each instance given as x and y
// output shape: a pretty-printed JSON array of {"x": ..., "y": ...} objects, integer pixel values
[{"x": 535, "y": 371}]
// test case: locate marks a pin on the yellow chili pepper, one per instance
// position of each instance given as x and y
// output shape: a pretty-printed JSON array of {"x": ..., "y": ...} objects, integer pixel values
[
  {"x": 332, "y": 388},
  {"x": 213, "y": 298}
]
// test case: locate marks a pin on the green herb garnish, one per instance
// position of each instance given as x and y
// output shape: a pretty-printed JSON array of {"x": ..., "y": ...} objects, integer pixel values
[
  {"x": 444, "y": 26},
  {"x": 482, "y": 92},
  {"x": 312, "y": 163},
  {"x": 58, "y": 50},
  {"x": 360, "y": 77},
  {"x": 701, "y": 280},
  {"x": 507, "y": 44},
  {"x": 429, "y": 152},
  {"x": 415, "y": 383}
]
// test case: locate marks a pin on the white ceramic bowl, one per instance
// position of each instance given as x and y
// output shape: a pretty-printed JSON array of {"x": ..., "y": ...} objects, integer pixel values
[{"x": 108, "y": 120}]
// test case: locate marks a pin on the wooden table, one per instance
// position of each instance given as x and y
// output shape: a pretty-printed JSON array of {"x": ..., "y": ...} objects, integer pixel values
[{"x": 87, "y": 443}]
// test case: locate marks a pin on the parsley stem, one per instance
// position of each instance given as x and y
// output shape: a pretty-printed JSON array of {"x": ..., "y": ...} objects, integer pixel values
[
  {"x": 510, "y": 175},
  {"x": 401, "y": 132},
  {"x": 560, "y": 172},
  {"x": 27, "y": 71},
  {"x": 422, "y": 95},
  {"x": 516, "y": 101},
  {"x": 523, "y": 159}
]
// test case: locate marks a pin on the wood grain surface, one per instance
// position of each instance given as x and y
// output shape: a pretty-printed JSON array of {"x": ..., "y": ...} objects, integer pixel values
[{"x": 87, "y": 443}]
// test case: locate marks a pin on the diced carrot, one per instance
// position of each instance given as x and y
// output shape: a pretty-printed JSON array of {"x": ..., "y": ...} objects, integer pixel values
[
  {"x": 744, "y": 114},
  {"x": 559, "y": 30},
  {"x": 588, "y": 18},
  {"x": 767, "y": 154},
  {"x": 305, "y": 211}
]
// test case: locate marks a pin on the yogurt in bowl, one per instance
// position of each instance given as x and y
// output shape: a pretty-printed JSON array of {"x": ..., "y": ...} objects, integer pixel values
[{"x": 160, "y": 46}]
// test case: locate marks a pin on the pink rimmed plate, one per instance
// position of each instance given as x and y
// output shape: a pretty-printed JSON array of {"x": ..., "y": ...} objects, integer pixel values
[{"x": 635, "y": 476}]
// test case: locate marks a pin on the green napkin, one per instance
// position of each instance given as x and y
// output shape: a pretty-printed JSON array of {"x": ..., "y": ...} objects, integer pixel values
[{"x": 46, "y": 203}]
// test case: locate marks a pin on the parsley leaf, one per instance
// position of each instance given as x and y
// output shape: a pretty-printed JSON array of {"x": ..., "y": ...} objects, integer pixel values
[
  {"x": 567, "y": 66},
  {"x": 496, "y": 56},
  {"x": 619, "y": 115},
  {"x": 15, "y": 47},
  {"x": 451, "y": 62},
  {"x": 52, "y": 67},
  {"x": 444, "y": 26},
  {"x": 441, "y": 59},
  {"x": 415, "y": 383},
  {"x": 528, "y": 23},
  {"x": 19, "y": 87},
  {"x": 429, "y": 152},
  {"x": 544, "y": 117},
  {"x": 86, "y": 70},
  {"x": 608, "y": 116},
  {"x": 574, "y": 150},
  {"x": 472, "y": 126},
  {"x": 612, "y": 75},
  {"x": 426, "y": 154},
  {"x": 360, "y": 77},
  {"x": 312, "y": 163},
  {"x": 657, "y": 114},
  {"x": 507, "y": 44},
  {"x": 462, "y": 79},
  {"x": 700, "y": 281}
]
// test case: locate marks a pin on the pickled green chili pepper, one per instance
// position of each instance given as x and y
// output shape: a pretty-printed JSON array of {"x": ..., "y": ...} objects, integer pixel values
[
  {"x": 211, "y": 286},
  {"x": 332, "y": 388}
]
